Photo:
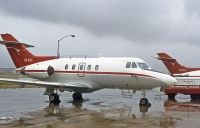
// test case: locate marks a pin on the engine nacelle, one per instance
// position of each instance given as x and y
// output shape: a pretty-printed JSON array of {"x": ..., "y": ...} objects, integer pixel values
[{"x": 38, "y": 71}]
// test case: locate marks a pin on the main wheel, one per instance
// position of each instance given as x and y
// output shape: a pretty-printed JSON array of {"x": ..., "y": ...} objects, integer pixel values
[
  {"x": 77, "y": 96},
  {"x": 195, "y": 97},
  {"x": 54, "y": 98},
  {"x": 171, "y": 97},
  {"x": 144, "y": 102}
]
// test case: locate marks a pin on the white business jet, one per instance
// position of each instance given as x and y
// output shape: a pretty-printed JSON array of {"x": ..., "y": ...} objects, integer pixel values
[{"x": 82, "y": 75}]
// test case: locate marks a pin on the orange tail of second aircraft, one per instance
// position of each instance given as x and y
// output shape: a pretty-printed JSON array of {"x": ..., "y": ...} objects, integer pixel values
[
  {"x": 18, "y": 52},
  {"x": 173, "y": 66}
]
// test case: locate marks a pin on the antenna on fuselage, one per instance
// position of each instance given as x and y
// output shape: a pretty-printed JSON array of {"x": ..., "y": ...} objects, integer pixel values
[{"x": 100, "y": 55}]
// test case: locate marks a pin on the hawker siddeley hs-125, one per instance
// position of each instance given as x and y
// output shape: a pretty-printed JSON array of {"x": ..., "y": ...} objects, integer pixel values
[{"x": 82, "y": 75}]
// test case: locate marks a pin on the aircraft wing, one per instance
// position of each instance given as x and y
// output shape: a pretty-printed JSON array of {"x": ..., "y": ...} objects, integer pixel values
[{"x": 70, "y": 86}]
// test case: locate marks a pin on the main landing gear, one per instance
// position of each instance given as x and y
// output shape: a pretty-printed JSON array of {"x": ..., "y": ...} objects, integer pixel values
[
  {"x": 54, "y": 97},
  {"x": 77, "y": 96},
  {"x": 144, "y": 101}
]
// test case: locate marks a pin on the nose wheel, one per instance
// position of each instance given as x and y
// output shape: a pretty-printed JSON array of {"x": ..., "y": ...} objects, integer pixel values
[
  {"x": 54, "y": 98},
  {"x": 144, "y": 101}
]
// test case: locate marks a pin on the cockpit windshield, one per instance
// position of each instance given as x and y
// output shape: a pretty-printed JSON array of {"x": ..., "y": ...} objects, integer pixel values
[{"x": 143, "y": 65}]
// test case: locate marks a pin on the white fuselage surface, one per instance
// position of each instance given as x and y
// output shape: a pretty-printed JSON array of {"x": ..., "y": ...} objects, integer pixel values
[{"x": 99, "y": 73}]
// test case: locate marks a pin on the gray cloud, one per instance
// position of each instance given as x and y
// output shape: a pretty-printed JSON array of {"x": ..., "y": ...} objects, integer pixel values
[
  {"x": 114, "y": 28},
  {"x": 141, "y": 21},
  {"x": 192, "y": 7}
]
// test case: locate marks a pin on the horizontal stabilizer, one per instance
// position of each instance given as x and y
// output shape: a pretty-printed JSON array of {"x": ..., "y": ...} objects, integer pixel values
[
  {"x": 14, "y": 43},
  {"x": 19, "y": 52},
  {"x": 166, "y": 59},
  {"x": 173, "y": 66}
]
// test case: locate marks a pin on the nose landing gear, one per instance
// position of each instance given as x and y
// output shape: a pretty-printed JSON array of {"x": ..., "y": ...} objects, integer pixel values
[{"x": 144, "y": 101}]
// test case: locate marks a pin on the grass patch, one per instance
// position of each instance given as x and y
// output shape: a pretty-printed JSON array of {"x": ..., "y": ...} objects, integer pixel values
[{"x": 4, "y": 85}]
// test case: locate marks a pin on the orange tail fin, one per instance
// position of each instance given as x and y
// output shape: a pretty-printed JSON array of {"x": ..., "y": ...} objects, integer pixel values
[
  {"x": 18, "y": 52},
  {"x": 172, "y": 65}
]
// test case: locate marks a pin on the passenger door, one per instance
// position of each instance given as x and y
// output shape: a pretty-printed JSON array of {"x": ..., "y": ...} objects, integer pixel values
[{"x": 81, "y": 69}]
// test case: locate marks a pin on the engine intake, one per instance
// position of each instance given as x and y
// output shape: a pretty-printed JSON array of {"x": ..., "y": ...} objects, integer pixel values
[
  {"x": 50, "y": 70},
  {"x": 38, "y": 71}
]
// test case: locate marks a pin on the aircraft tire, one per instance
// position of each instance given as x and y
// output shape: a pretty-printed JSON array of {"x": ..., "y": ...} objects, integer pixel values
[
  {"x": 77, "y": 96},
  {"x": 54, "y": 98},
  {"x": 144, "y": 102},
  {"x": 171, "y": 97},
  {"x": 193, "y": 97}
]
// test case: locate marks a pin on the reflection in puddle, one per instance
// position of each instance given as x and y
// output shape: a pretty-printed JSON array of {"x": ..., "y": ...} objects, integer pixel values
[
  {"x": 144, "y": 110},
  {"x": 103, "y": 110},
  {"x": 54, "y": 109},
  {"x": 182, "y": 106},
  {"x": 123, "y": 112},
  {"x": 119, "y": 113},
  {"x": 125, "y": 115},
  {"x": 5, "y": 120},
  {"x": 62, "y": 113},
  {"x": 186, "y": 113},
  {"x": 77, "y": 105}
]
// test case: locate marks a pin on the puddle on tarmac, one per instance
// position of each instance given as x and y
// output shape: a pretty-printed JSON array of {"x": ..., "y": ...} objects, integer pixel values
[{"x": 104, "y": 108}]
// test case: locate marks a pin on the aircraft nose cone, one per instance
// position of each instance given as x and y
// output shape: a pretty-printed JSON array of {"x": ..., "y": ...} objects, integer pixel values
[{"x": 168, "y": 80}]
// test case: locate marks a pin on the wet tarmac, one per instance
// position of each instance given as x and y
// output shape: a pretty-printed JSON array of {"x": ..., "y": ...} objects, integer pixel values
[{"x": 105, "y": 108}]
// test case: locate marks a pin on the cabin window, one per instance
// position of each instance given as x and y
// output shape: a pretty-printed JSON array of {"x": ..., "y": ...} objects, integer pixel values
[
  {"x": 143, "y": 65},
  {"x": 88, "y": 67},
  {"x": 128, "y": 64},
  {"x": 73, "y": 66},
  {"x": 81, "y": 67},
  {"x": 97, "y": 67},
  {"x": 66, "y": 66},
  {"x": 134, "y": 65}
]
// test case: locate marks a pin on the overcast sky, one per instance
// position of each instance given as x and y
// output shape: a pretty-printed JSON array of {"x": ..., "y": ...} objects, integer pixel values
[{"x": 137, "y": 28}]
